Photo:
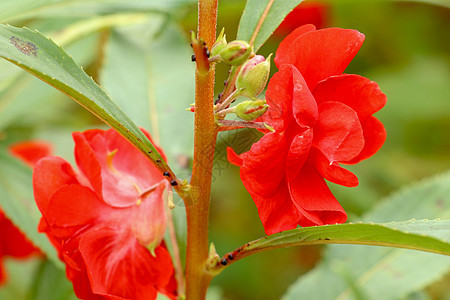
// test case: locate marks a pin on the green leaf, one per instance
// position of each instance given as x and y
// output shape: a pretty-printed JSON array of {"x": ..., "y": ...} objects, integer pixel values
[
  {"x": 44, "y": 59},
  {"x": 362, "y": 272},
  {"x": 17, "y": 201},
  {"x": 431, "y": 236},
  {"x": 261, "y": 18}
]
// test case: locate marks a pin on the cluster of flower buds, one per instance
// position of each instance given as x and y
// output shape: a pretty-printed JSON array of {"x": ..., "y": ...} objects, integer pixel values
[{"x": 250, "y": 81}]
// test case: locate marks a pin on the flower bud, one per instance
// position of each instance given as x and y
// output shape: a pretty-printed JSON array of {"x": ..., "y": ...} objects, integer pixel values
[
  {"x": 253, "y": 76},
  {"x": 250, "y": 110},
  {"x": 235, "y": 53},
  {"x": 220, "y": 43}
]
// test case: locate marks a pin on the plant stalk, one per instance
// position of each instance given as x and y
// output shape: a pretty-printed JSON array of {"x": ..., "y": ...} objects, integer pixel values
[{"x": 197, "y": 278}]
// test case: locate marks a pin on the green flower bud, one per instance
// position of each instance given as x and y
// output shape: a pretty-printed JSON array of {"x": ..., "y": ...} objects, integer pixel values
[
  {"x": 250, "y": 110},
  {"x": 253, "y": 76},
  {"x": 235, "y": 53},
  {"x": 220, "y": 43}
]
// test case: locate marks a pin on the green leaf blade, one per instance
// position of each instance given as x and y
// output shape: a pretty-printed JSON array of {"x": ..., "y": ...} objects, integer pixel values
[
  {"x": 261, "y": 18},
  {"x": 431, "y": 236}
]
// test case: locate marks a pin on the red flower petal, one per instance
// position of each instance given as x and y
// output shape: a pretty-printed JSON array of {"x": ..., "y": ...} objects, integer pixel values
[
  {"x": 74, "y": 205},
  {"x": 279, "y": 98},
  {"x": 13, "y": 242},
  {"x": 264, "y": 165},
  {"x": 331, "y": 171},
  {"x": 233, "y": 157},
  {"x": 163, "y": 268},
  {"x": 81, "y": 284},
  {"x": 132, "y": 162},
  {"x": 288, "y": 94},
  {"x": 374, "y": 136},
  {"x": 282, "y": 55},
  {"x": 148, "y": 219},
  {"x": 298, "y": 153},
  {"x": 125, "y": 172},
  {"x": 119, "y": 266},
  {"x": 87, "y": 161},
  {"x": 277, "y": 212},
  {"x": 118, "y": 189},
  {"x": 324, "y": 53},
  {"x": 338, "y": 133},
  {"x": 76, "y": 270},
  {"x": 94, "y": 155},
  {"x": 359, "y": 93},
  {"x": 314, "y": 199},
  {"x": 31, "y": 151},
  {"x": 171, "y": 289},
  {"x": 304, "y": 105},
  {"x": 50, "y": 173}
]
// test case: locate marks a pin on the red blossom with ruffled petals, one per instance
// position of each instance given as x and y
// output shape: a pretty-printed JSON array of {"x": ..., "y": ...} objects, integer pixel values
[
  {"x": 322, "y": 119},
  {"x": 108, "y": 220},
  {"x": 13, "y": 243}
]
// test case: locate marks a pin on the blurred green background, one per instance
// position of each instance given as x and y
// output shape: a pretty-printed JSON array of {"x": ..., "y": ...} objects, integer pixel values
[{"x": 406, "y": 51}]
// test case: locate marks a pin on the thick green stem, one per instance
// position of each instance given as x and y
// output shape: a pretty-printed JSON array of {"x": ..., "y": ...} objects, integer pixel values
[{"x": 197, "y": 278}]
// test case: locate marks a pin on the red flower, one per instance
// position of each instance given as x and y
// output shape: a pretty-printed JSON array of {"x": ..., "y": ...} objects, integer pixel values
[
  {"x": 13, "y": 243},
  {"x": 108, "y": 220},
  {"x": 322, "y": 118}
]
